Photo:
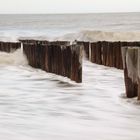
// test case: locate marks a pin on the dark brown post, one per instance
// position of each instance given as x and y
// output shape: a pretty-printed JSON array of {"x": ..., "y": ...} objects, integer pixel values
[
  {"x": 110, "y": 54},
  {"x": 104, "y": 52},
  {"x": 86, "y": 48},
  {"x": 138, "y": 72},
  {"x": 77, "y": 54},
  {"x": 117, "y": 55},
  {"x": 93, "y": 52},
  {"x": 129, "y": 62},
  {"x": 138, "y": 88},
  {"x": 98, "y": 53}
]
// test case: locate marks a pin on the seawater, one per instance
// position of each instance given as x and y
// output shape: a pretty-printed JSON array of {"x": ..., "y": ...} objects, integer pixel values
[
  {"x": 52, "y": 26},
  {"x": 35, "y": 105}
]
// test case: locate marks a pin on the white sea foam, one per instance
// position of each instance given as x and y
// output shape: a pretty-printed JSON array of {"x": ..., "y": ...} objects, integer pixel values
[
  {"x": 14, "y": 58},
  {"x": 38, "y": 105},
  {"x": 90, "y": 35},
  {"x": 84, "y": 35}
]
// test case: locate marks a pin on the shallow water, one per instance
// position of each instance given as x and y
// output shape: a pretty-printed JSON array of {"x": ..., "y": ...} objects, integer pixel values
[{"x": 35, "y": 105}]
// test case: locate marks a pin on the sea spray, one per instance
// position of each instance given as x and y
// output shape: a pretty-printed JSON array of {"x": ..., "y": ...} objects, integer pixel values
[
  {"x": 14, "y": 58},
  {"x": 92, "y": 35}
]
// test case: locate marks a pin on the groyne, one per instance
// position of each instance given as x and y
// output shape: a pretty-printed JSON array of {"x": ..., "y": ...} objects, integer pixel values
[
  {"x": 9, "y": 46},
  {"x": 106, "y": 53},
  {"x": 62, "y": 58},
  {"x": 56, "y": 57}
]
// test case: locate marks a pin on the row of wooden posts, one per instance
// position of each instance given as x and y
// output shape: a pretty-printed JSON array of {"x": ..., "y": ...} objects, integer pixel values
[
  {"x": 61, "y": 58},
  {"x": 106, "y": 53},
  {"x": 56, "y": 57},
  {"x": 121, "y": 55}
]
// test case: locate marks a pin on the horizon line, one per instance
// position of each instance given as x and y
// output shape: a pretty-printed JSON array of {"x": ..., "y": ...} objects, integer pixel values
[{"x": 69, "y": 13}]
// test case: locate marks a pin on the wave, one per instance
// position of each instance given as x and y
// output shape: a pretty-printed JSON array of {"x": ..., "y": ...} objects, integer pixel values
[
  {"x": 14, "y": 58},
  {"x": 89, "y": 35},
  {"x": 83, "y": 35}
]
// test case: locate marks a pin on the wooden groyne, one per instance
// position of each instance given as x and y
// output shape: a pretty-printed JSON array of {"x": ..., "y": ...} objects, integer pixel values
[
  {"x": 9, "y": 46},
  {"x": 121, "y": 55},
  {"x": 64, "y": 60},
  {"x": 106, "y": 53},
  {"x": 131, "y": 64},
  {"x": 61, "y": 58}
]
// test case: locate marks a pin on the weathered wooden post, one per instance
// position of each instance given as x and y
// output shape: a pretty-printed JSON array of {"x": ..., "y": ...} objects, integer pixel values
[
  {"x": 99, "y": 53},
  {"x": 110, "y": 54},
  {"x": 138, "y": 72},
  {"x": 130, "y": 60},
  {"x": 117, "y": 55},
  {"x": 86, "y": 48},
  {"x": 93, "y": 52},
  {"x": 96, "y": 52},
  {"x": 104, "y": 52},
  {"x": 77, "y": 54}
]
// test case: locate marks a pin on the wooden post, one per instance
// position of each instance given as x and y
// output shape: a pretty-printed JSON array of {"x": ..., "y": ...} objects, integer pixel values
[
  {"x": 138, "y": 88},
  {"x": 77, "y": 55},
  {"x": 117, "y": 55},
  {"x": 130, "y": 74},
  {"x": 86, "y": 48},
  {"x": 93, "y": 52},
  {"x": 104, "y": 52},
  {"x": 138, "y": 72},
  {"x": 110, "y": 55},
  {"x": 98, "y": 53}
]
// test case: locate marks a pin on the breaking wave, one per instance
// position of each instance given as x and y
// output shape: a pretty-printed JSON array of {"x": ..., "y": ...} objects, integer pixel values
[
  {"x": 14, "y": 58},
  {"x": 83, "y": 35},
  {"x": 101, "y": 36}
]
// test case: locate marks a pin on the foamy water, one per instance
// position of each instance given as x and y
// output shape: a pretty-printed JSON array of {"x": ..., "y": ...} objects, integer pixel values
[
  {"x": 35, "y": 105},
  {"x": 15, "y": 58}
]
